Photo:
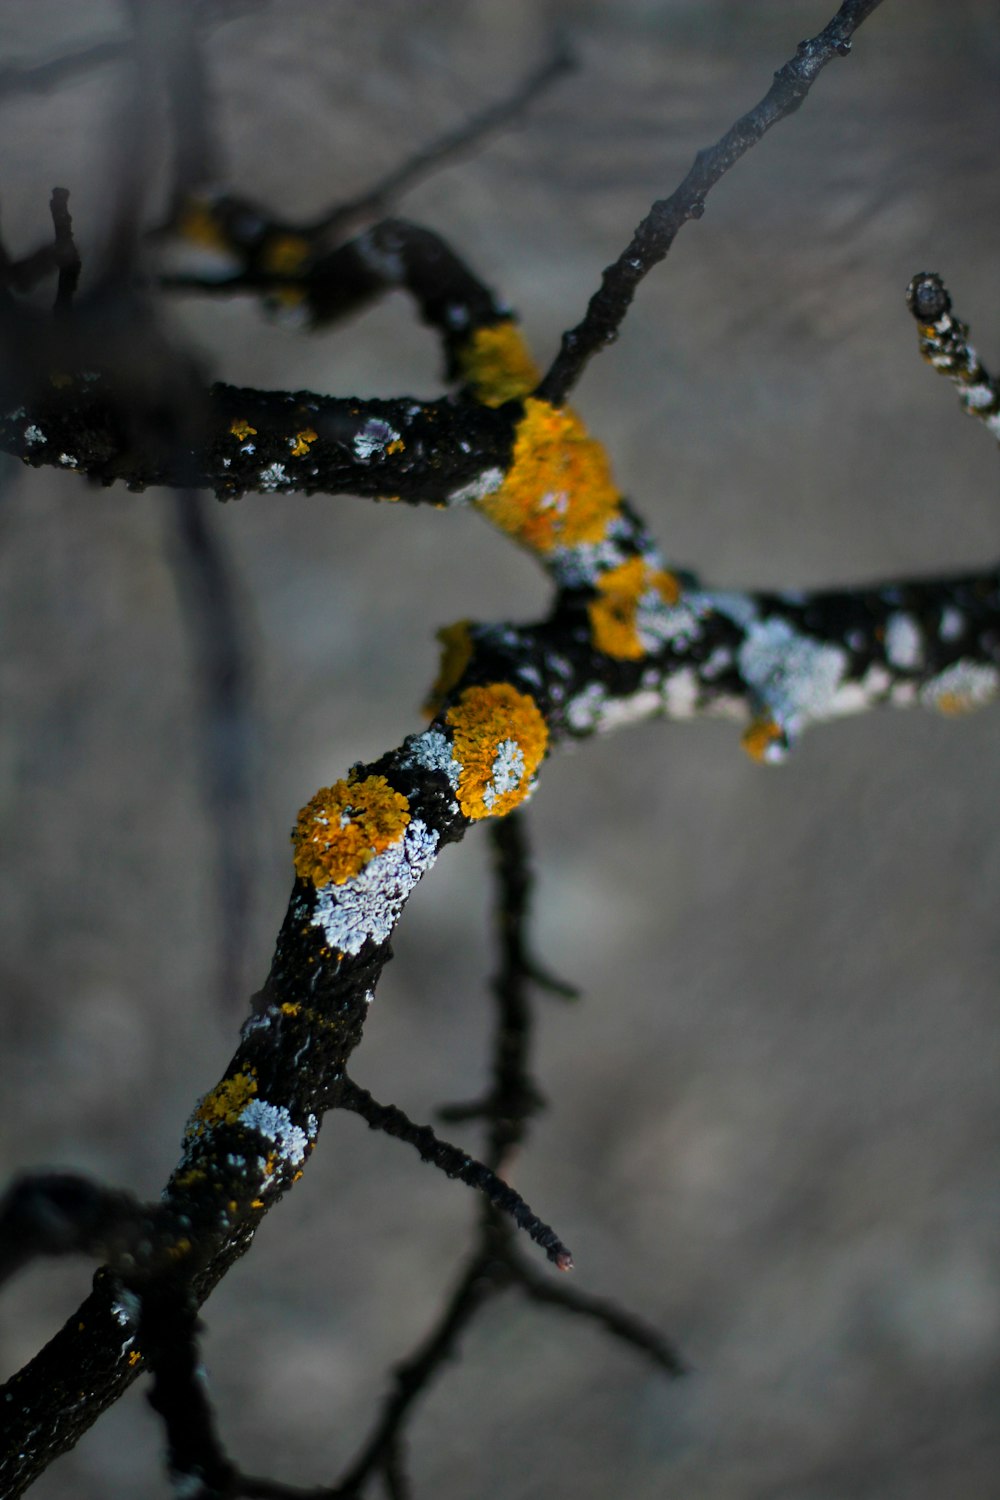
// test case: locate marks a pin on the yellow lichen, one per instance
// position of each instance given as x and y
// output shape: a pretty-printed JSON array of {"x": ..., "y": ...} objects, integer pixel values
[
  {"x": 497, "y": 364},
  {"x": 200, "y": 225},
  {"x": 758, "y": 738},
  {"x": 455, "y": 657},
  {"x": 614, "y": 613},
  {"x": 494, "y": 727},
  {"x": 190, "y": 1178},
  {"x": 396, "y": 446},
  {"x": 558, "y": 490},
  {"x": 300, "y": 442},
  {"x": 953, "y": 704},
  {"x": 134, "y": 1357},
  {"x": 225, "y": 1103},
  {"x": 179, "y": 1250},
  {"x": 291, "y": 1008},
  {"x": 284, "y": 254},
  {"x": 345, "y": 826},
  {"x": 240, "y": 428}
]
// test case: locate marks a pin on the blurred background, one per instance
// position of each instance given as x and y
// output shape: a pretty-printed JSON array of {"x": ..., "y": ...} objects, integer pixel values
[{"x": 773, "y": 1124}]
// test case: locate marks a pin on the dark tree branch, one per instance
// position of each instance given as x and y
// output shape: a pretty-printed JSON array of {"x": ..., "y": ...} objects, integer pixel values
[
  {"x": 653, "y": 238},
  {"x": 454, "y": 1163},
  {"x": 944, "y": 343},
  {"x": 344, "y": 218}
]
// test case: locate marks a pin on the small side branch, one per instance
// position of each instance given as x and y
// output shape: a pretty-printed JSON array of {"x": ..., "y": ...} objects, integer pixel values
[
  {"x": 944, "y": 343},
  {"x": 655, "y": 235},
  {"x": 454, "y": 1163}
]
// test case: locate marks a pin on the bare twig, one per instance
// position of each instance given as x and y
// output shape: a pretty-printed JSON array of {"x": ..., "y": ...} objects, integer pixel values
[{"x": 658, "y": 230}]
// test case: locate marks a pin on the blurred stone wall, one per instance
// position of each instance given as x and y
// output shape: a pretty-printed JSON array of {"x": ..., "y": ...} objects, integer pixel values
[{"x": 773, "y": 1119}]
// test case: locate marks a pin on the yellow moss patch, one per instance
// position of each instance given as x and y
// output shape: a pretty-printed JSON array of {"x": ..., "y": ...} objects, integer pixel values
[
  {"x": 241, "y": 429},
  {"x": 759, "y": 737},
  {"x": 345, "y": 826},
  {"x": 497, "y": 364},
  {"x": 284, "y": 254},
  {"x": 456, "y": 641},
  {"x": 614, "y": 613},
  {"x": 558, "y": 490},
  {"x": 300, "y": 442},
  {"x": 225, "y": 1104},
  {"x": 499, "y": 740}
]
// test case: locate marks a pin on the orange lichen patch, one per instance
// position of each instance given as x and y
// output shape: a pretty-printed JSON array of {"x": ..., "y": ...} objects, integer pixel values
[
  {"x": 256, "y": 1203},
  {"x": 291, "y": 1008},
  {"x": 134, "y": 1357},
  {"x": 284, "y": 254},
  {"x": 497, "y": 364},
  {"x": 456, "y": 641},
  {"x": 396, "y": 446},
  {"x": 499, "y": 740},
  {"x": 224, "y": 1105},
  {"x": 954, "y": 704},
  {"x": 199, "y": 224},
  {"x": 759, "y": 737},
  {"x": 241, "y": 429},
  {"x": 558, "y": 490},
  {"x": 614, "y": 613},
  {"x": 345, "y": 826},
  {"x": 300, "y": 442}
]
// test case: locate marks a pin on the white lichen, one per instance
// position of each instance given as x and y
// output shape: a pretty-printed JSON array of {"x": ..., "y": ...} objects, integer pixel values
[
  {"x": 373, "y": 438},
  {"x": 33, "y": 434},
  {"x": 952, "y": 623},
  {"x": 486, "y": 483},
  {"x": 369, "y": 905},
  {"x": 964, "y": 686},
  {"x": 794, "y": 678},
  {"x": 272, "y": 476},
  {"x": 431, "y": 751},
  {"x": 506, "y": 772},
  {"x": 903, "y": 645},
  {"x": 275, "y": 1124}
]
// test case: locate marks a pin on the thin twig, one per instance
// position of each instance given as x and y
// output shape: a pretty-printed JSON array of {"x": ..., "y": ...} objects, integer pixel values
[
  {"x": 372, "y": 204},
  {"x": 658, "y": 230},
  {"x": 454, "y": 1163}
]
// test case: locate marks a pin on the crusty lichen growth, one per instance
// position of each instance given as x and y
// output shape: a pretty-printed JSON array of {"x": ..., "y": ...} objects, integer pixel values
[
  {"x": 615, "y": 611},
  {"x": 345, "y": 826},
  {"x": 762, "y": 740},
  {"x": 499, "y": 741},
  {"x": 558, "y": 491},
  {"x": 456, "y": 653},
  {"x": 497, "y": 364},
  {"x": 225, "y": 1103}
]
